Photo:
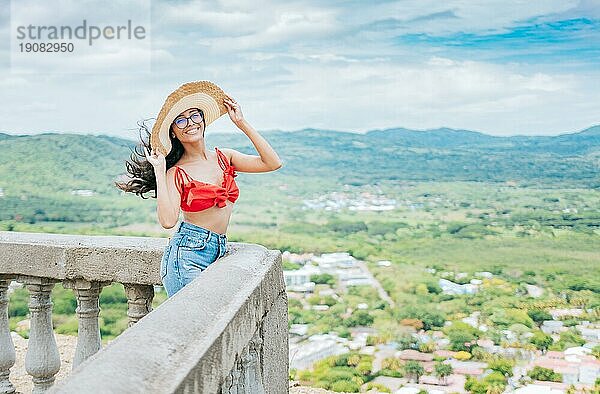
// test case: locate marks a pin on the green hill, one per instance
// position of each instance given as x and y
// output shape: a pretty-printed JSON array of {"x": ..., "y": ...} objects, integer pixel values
[
  {"x": 59, "y": 162},
  {"x": 39, "y": 173}
]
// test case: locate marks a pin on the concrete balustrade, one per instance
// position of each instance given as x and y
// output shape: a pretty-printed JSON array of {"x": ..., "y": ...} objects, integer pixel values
[{"x": 226, "y": 332}]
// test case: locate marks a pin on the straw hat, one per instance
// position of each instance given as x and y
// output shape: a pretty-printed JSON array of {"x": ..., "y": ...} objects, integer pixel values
[{"x": 203, "y": 95}]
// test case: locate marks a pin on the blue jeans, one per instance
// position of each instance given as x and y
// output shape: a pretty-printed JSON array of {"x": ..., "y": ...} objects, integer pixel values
[{"x": 189, "y": 252}]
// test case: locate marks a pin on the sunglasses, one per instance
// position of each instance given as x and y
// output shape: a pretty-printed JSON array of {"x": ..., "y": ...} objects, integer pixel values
[{"x": 182, "y": 122}]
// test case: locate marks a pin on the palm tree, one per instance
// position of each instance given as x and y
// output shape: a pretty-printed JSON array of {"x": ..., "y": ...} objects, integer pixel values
[
  {"x": 442, "y": 371},
  {"x": 414, "y": 368}
]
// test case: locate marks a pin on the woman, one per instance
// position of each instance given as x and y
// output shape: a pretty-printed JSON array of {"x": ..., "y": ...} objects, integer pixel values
[{"x": 186, "y": 176}]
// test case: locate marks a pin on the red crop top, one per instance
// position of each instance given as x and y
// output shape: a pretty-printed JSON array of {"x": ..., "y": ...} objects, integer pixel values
[{"x": 198, "y": 196}]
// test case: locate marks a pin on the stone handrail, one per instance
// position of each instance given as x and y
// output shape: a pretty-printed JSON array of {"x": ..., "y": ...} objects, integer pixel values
[{"x": 225, "y": 332}]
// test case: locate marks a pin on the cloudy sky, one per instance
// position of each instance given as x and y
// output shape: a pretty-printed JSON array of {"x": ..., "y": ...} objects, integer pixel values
[{"x": 502, "y": 67}]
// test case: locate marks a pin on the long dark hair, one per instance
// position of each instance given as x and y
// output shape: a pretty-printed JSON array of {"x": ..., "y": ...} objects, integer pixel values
[{"x": 139, "y": 168}]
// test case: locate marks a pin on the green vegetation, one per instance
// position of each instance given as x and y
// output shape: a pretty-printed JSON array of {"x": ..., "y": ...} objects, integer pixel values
[
  {"x": 568, "y": 339},
  {"x": 289, "y": 266},
  {"x": 391, "y": 366},
  {"x": 113, "y": 310},
  {"x": 343, "y": 373},
  {"x": 462, "y": 336},
  {"x": 502, "y": 365},
  {"x": 323, "y": 279},
  {"x": 494, "y": 383},
  {"x": 541, "y": 341},
  {"x": 523, "y": 209},
  {"x": 545, "y": 374}
]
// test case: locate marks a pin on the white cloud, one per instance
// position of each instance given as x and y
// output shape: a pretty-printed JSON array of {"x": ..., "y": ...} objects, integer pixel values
[
  {"x": 453, "y": 16},
  {"x": 226, "y": 27},
  {"x": 223, "y": 22},
  {"x": 461, "y": 94},
  {"x": 311, "y": 64},
  {"x": 287, "y": 26}
]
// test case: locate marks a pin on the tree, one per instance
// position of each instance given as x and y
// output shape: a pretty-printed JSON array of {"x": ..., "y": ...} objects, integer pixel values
[
  {"x": 541, "y": 340},
  {"x": 461, "y": 335},
  {"x": 539, "y": 315},
  {"x": 414, "y": 368},
  {"x": 442, "y": 371},
  {"x": 359, "y": 318},
  {"x": 544, "y": 374},
  {"x": 323, "y": 279}
]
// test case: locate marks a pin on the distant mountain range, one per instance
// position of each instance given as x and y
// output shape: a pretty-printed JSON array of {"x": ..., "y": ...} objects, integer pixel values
[
  {"x": 53, "y": 162},
  {"x": 574, "y": 143}
]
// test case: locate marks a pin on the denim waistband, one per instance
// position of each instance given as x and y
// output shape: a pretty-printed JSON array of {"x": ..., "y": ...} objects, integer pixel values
[{"x": 189, "y": 227}]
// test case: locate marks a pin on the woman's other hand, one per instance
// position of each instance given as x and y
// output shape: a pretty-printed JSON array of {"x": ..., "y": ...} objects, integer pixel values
[
  {"x": 233, "y": 109},
  {"x": 157, "y": 160}
]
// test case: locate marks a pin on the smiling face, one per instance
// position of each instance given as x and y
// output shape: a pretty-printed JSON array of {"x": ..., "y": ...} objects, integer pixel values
[{"x": 188, "y": 126}]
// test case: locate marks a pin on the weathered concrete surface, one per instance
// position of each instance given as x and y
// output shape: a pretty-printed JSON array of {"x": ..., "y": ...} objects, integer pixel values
[
  {"x": 274, "y": 332},
  {"x": 93, "y": 258},
  {"x": 191, "y": 342}
]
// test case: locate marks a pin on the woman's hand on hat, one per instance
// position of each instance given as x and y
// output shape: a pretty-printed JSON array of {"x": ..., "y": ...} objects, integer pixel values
[
  {"x": 157, "y": 159},
  {"x": 233, "y": 109}
]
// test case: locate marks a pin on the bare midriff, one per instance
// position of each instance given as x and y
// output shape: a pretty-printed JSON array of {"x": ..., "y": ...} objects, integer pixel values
[{"x": 214, "y": 218}]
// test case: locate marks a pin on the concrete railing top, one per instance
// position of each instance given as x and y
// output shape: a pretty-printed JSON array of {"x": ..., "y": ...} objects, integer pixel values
[
  {"x": 92, "y": 258},
  {"x": 193, "y": 341}
]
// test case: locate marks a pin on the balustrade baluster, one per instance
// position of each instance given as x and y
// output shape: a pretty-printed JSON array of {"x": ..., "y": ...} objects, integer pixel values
[
  {"x": 7, "y": 347},
  {"x": 42, "y": 360},
  {"x": 88, "y": 309},
  {"x": 139, "y": 301}
]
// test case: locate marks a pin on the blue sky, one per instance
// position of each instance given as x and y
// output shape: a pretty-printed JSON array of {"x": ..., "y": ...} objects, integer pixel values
[{"x": 499, "y": 67}]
